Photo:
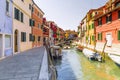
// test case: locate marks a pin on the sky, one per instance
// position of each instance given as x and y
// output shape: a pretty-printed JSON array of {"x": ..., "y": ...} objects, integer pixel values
[{"x": 67, "y": 14}]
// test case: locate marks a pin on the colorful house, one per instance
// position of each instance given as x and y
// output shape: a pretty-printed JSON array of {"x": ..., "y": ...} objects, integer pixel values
[
  {"x": 36, "y": 23},
  {"x": 45, "y": 30},
  {"x": 83, "y": 32},
  {"x": 21, "y": 25},
  {"x": 108, "y": 28},
  {"x": 6, "y": 47}
]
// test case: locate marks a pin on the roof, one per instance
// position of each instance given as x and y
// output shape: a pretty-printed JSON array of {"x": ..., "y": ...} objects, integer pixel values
[{"x": 106, "y": 13}]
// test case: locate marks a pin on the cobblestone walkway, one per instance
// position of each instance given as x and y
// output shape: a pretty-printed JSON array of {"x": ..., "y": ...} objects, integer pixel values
[{"x": 23, "y": 66}]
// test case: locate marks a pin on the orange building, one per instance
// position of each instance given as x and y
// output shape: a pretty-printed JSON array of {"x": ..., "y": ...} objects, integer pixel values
[
  {"x": 36, "y": 22},
  {"x": 108, "y": 27}
]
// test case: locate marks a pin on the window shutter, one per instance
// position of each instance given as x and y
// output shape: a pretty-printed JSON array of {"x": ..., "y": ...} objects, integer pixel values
[
  {"x": 16, "y": 14},
  {"x": 92, "y": 26},
  {"x": 119, "y": 14},
  {"x": 93, "y": 38},
  {"x": 21, "y": 17},
  {"x": 7, "y": 6},
  {"x": 30, "y": 22},
  {"x": 38, "y": 38},
  {"x": 33, "y": 23},
  {"x": 119, "y": 35},
  {"x": 24, "y": 37}
]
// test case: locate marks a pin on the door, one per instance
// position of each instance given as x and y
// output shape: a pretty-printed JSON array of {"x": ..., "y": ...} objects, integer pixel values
[
  {"x": 109, "y": 39},
  {"x": 1, "y": 47},
  {"x": 16, "y": 41}
]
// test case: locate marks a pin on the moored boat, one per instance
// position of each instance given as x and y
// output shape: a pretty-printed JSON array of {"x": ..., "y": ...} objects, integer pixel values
[
  {"x": 115, "y": 58},
  {"x": 91, "y": 55},
  {"x": 80, "y": 48}
]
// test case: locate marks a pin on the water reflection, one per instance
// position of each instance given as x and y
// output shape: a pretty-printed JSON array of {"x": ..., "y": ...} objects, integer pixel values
[
  {"x": 75, "y": 66},
  {"x": 67, "y": 66}
]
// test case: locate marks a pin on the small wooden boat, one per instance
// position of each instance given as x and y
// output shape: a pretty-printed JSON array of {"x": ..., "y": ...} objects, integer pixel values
[
  {"x": 80, "y": 48},
  {"x": 66, "y": 47},
  {"x": 115, "y": 58}
]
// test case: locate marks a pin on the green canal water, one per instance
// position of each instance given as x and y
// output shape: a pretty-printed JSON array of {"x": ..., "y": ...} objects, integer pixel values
[
  {"x": 93, "y": 70},
  {"x": 75, "y": 66}
]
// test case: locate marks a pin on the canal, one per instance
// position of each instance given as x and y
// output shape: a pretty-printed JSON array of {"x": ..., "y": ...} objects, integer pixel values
[{"x": 75, "y": 66}]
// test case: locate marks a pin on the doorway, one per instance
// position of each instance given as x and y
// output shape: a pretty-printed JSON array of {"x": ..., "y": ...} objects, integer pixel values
[
  {"x": 16, "y": 41},
  {"x": 109, "y": 39}
]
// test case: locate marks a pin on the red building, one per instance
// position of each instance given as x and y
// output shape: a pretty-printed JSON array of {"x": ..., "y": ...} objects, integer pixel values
[
  {"x": 36, "y": 22},
  {"x": 108, "y": 27}
]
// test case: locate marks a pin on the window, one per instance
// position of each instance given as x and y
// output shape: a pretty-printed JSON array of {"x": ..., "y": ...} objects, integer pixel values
[
  {"x": 7, "y": 6},
  {"x": 119, "y": 35},
  {"x": 32, "y": 9},
  {"x": 38, "y": 38},
  {"x": 23, "y": 37},
  {"x": 108, "y": 18},
  {"x": 119, "y": 14},
  {"x": 89, "y": 27},
  {"x": 38, "y": 14},
  {"x": 30, "y": 6},
  {"x": 22, "y": 17},
  {"x": 30, "y": 37},
  {"x": 41, "y": 16},
  {"x": 99, "y": 36},
  {"x": 31, "y": 22},
  {"x": 92, "y": 26},
  {"x": 117, "y": 4},
  {"x": 33, "y": 38},
  {"x": 99, "y": 21},
  {"x": 39, "y": 25},
  {"x": 16, "y": 14},
  {"x": 7, "y": 41}
]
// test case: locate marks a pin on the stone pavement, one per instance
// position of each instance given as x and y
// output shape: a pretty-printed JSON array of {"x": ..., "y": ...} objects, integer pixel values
[{"x": 23, "y": 66}]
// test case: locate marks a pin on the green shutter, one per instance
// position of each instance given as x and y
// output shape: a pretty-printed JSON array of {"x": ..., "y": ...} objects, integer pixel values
[
  {"x": 93, "y": 38},
  {"x": 21, "y": 17},
  {"x": 86, "y": 37},
  {"x": 33, "y": 38},
  {"x": 30, "y": 22},
  {"x": 92, "y": 26},
  {"x": 24, "y": 37},
  {"x": 16, "y": 14},
  {"x": 119, "y": 35},
  {"x": 98, "y": 36}
]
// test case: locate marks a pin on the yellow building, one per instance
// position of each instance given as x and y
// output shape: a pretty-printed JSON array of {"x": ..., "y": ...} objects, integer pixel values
[
  {"x": 68, "y": 33},
  {"x": 90, "y": 33},
  {"x": 90, "y": 28},
  {"x": 21, "y": 26}
]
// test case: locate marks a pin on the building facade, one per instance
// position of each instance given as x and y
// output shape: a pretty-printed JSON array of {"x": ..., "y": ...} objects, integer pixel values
[
  {"x": 37, "y": 28},
  {"x": 6, "y": 48},
  {"x": 108, "y": 28},
  {"x": 21, "y": 25},
  {"x": 45, "y": 30}
]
